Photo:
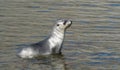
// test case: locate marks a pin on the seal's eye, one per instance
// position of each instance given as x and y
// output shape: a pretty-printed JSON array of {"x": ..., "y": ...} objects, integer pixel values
[{"x": 57, "y": 24}]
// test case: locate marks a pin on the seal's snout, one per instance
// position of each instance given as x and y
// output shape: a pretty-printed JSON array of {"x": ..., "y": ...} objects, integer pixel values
[{"x": 67, "y": 22}]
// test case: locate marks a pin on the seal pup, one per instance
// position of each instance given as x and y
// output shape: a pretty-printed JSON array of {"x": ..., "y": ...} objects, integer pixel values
[{"x": 51, "y": 45}]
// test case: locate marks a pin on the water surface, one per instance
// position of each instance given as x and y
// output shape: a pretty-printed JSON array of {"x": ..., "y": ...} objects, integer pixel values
[{"x": 92, "y": 43}]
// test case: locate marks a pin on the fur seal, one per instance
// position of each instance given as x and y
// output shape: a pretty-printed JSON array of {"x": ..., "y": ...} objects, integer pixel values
[{"x": 51, "y": 45}]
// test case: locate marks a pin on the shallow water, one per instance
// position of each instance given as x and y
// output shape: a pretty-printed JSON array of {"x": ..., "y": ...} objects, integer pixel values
[{"x": 92, "y": 42}]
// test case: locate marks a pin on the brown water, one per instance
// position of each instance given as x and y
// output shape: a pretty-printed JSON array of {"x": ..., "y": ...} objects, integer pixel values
[{"x": 92, "y": 43}]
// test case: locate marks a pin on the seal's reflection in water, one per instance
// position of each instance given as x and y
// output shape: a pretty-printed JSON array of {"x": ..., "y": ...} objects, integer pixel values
[{"x": 51, "y": 62}]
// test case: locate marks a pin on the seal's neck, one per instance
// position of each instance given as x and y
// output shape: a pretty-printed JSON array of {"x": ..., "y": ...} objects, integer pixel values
[
  {"x": 56, "y": 38},
  {"x": 58, "y": 33}
]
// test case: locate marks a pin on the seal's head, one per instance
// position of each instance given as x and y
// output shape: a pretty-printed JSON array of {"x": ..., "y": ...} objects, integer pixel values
[{"x": 63, "y": 24}]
